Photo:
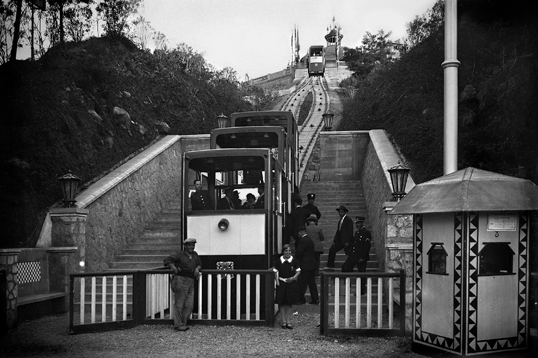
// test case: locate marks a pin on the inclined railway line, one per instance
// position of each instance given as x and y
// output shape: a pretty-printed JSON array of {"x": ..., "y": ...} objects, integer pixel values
[{"x": 310, "y": 129}]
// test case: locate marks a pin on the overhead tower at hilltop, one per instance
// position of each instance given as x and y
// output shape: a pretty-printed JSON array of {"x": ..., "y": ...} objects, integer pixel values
[{"x": 333, "y": 50}]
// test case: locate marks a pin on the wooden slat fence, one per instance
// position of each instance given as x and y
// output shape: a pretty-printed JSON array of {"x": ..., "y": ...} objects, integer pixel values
[
  {"x": 345, "y": 311},
  {"x": 123, "y": 299}
]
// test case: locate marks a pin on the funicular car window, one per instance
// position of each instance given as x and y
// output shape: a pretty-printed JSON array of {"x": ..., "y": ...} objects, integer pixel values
[{"x": 242, "y": 175}]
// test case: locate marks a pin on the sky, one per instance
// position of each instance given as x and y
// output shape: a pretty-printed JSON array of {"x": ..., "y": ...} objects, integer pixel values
[{"x": 254, "y": 36}]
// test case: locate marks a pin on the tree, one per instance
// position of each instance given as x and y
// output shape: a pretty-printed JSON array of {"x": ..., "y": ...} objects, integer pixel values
[
  {"x": 376, "y": 50},
  {"x": 423, "y": 26},
  {"x": 16, "y": 31},
  {"x": 115, "y": 14},
  {"x": 142, "y": 32}
]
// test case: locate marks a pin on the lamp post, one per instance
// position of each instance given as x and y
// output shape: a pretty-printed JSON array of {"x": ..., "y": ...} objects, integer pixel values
[
  {"x": 398, "y": 177},
  {"x": 69, "y": 183},
  {"x": 328, "y": 120},
  {"x": 222, "y": 121}
]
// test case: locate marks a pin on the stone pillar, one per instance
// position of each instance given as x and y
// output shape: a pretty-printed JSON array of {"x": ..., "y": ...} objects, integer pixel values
[
  {"x": 8, "y": 263},
  {"x": 59, "y": 270},
  {"x": 69, "y": 230},
  {"x": 399, "y": 254}
]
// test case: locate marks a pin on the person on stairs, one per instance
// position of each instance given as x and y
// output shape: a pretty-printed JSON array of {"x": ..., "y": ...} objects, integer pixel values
[
  {"x": 313, "y": 209},
  {"x": 316, "y": 234},
  {"x": 359, "y": 251},
  {"x": 304, "y": 251},
  {"x": 298, "y": 217},
  {"x": 342, "y": 237}
]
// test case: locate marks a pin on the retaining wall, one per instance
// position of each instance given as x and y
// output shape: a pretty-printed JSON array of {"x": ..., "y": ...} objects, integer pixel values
[{"x": 125, "y": 201}]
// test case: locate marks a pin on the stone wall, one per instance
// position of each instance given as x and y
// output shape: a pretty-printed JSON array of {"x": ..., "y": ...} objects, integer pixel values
[
  {"x": 124, "y": 202},
  {"x": 344, "y": 155}
]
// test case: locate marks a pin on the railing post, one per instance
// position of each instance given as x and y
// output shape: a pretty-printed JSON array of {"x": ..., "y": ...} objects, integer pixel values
[
  {"x": 139, "y": 297},
  {"x": 402, "y": 302},
  {"x": 269, "y": 299},
  {"x": 59, "y": 264},
  {"x": 8, "y": 263}
]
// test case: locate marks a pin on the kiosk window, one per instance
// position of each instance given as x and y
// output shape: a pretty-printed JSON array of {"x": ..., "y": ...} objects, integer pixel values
[
  {"x": 437, "y": 259},
  {"x": 495, "y": 259}
]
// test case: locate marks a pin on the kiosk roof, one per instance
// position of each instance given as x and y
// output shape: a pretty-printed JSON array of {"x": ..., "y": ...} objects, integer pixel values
[{"x": 470, "y": 189}]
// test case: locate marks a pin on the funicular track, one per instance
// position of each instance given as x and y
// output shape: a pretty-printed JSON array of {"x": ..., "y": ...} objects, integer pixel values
[{"x": 311, "y": 127}]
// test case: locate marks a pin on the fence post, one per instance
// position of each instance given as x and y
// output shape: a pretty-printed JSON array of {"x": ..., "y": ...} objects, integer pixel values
[
  {"x": 269, "y": 299},
  {"x": 8, "y": 263},
  {"x": 403, "y": 307},
  {"x": 59, "y": 266},
  {"x": 139, "y": 297}
]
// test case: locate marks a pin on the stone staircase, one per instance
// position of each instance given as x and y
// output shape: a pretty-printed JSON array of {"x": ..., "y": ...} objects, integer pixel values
[
  {"x": 160, "y": 239},
  {"x": 329, "y": 196}
]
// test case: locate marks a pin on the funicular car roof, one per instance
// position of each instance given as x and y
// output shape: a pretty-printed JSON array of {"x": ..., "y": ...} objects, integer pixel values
[
  {"x": 248, "y": 137},
  {"x": 221, "y": 160},
  {"x": 261, "y": 118}
]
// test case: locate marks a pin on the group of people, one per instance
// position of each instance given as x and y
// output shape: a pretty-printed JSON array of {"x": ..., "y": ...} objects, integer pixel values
[
  {"x": 200, "y": 199},
  {"x": 293, "y": 274}
]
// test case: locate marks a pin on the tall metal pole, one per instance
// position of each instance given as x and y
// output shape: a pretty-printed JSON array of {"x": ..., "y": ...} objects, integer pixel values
[{"x": 450, "y": 69}]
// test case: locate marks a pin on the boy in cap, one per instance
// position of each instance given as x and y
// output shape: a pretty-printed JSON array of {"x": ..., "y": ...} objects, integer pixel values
[
  {"x": 186, "y": 265},
  {"x": 343, "y": 236},
  {"x": 359, "y": 251},
  {"x": 311, "y": 207}
]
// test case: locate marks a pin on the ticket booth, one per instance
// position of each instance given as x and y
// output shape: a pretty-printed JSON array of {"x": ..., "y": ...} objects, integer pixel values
[{"x": 471, "y": 240}]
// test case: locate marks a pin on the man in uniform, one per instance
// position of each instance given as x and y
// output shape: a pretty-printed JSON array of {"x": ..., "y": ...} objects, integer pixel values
[
  {"x": 311, "y": 207},
  {"x": 200, "y": 199},
  {"x": 359, "y": 251},
  {"x": 186, "y": 265},
  {"x": 342, "y": 237},
  {"x": 304, "y": 251},
  {"x": 298, "y": 218}
]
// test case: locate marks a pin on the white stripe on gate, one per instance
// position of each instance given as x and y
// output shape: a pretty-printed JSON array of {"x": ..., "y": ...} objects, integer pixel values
[
  {"x": 238, "y": 297},
  {"x": 103, "y": 299},
  {"x": 228, "y": 297},
  {"x": 82, "y": 299},
  {"x": 125, "y": 297},
  {"x": 258, "y": 300},
  {"x": 379, "y": 302},
  {"x": 93, "y": 295},
  {"x": 336, "y": 302},
  {"x": 347, "y": 311},
  {"x": 114, "y": 297},
  {"x": 391, "y": 312}
]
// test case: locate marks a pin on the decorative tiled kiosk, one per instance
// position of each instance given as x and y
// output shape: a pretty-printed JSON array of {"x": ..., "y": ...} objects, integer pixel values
[{"x": 471, "y": 274}]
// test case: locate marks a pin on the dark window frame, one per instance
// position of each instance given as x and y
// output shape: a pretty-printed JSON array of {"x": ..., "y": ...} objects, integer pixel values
[
  {"x": 496, "y": 259},
  {"x": 437, "y": 255}
]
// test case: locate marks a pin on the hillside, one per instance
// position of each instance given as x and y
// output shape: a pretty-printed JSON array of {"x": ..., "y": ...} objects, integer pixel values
[
  {"x": 498, "y": 86},
  {"x": 86, "y": 107}
]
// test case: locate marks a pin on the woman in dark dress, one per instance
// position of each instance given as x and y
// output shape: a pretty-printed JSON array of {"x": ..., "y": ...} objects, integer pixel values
[{"x": 287, "y": 292}]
